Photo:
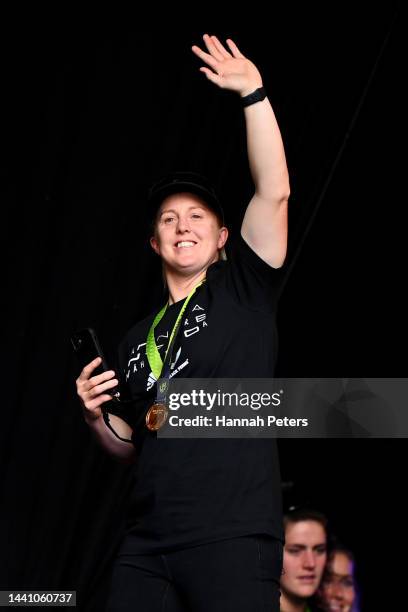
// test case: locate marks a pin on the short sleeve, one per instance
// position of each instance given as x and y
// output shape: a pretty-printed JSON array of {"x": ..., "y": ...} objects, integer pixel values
[{"x": 251, "y": 281}]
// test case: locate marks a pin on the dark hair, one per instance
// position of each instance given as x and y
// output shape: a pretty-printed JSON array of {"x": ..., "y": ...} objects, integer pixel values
[
  {"x": 296, "y": 515},
  {"x": 338, "y": 547}
]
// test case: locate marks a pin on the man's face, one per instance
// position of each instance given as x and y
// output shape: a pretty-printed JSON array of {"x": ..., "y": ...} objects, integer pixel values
[
  {"x": 188, "y": 236},
  {"x": 337, "y": 590},
  {"x": 304, "y": 558}
]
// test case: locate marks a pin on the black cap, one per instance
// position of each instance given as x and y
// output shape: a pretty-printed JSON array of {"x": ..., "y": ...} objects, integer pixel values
[{"x": 176, "y": 182}]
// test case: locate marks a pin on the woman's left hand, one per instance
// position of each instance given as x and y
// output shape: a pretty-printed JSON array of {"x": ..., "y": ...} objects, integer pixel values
[{"x": 230, "y": 69}]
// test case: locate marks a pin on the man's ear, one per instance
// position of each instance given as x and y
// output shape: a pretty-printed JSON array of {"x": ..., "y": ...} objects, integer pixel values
[
  {"x": 155, "y": 245},
  {"x": 222, "y": 238}
]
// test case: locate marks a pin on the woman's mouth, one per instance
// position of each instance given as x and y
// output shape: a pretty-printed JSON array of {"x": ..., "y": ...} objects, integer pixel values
[
  {"x": 335, "y": 606},
  {"x": 185, "y": 244}
]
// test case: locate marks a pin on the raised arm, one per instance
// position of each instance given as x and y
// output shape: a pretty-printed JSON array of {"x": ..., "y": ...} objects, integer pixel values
[{"x": 265, "y": 224}]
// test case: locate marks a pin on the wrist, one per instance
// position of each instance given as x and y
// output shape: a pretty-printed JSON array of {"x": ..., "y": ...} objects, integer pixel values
[
  {"x": 251, "y": 88},
  {"x": 254, "y": 96},
  {"x": 91, "y": 417}
]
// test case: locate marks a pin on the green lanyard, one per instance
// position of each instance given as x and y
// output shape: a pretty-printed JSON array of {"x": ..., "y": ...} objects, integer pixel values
[{"x": 152, "y": 352}]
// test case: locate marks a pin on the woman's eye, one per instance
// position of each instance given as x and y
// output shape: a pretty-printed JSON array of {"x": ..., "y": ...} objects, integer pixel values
[
  {"x": 168, "y": 219},
  {"x": 196, "y": 216}
]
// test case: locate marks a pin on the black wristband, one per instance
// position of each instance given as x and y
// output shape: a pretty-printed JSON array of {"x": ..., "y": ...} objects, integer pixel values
[{"x": 256, "y": 96}]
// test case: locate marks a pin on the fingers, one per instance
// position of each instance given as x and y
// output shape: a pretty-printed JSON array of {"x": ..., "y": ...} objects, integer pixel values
[
  {"x": 91, "y": 390},
  {"x": 215, "y": 47},
  {"x": 215, "y": 78},
  {"x": 216, "y": 51},
  {"x": 205, "y": 57},
  {"x": 234, "y": 49},
  {"x": 96, "y": 380},
  {"x": 92, "y": 409},
  {"x": 84, "y": 377},
  {"x": 212, "y": 48},
  {"x": 217, "y": 54},
  {"x": 95, "y": 395},
  {"x": 88, "y": 369}
]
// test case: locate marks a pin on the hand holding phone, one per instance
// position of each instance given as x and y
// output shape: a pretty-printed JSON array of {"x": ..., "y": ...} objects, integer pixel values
[{"x": 96, "y": 383}]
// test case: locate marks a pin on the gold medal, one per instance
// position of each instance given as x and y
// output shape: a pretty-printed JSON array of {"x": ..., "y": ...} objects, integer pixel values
[{"x": 156, "y": 416}]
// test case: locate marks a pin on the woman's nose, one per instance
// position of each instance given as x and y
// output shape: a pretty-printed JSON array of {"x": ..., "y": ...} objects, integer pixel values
[
  {"x": 338, "y": 591},
  {"x": 183, "y": 224}
]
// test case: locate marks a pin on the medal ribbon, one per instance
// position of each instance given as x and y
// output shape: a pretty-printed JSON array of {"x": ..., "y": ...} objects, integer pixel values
[{"x": 152, "y": 352}]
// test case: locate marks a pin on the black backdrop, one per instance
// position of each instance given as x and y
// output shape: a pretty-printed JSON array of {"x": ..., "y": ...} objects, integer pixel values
[{"x": 90, "y": 116}]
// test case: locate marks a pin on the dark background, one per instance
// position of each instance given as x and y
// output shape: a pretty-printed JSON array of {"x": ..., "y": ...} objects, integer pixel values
[{"x": 91, "y": 114}]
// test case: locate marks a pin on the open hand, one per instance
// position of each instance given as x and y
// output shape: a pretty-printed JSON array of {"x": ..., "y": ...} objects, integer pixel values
[{"x": 230, "y": 69}]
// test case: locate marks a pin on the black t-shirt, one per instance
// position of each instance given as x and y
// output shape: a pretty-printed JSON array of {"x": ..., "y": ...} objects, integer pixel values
[{"x": 191, "y": 491}]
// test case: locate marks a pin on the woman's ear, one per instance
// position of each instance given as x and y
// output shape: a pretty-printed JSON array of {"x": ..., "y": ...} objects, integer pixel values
[
  {"x": 155, "y": 245},
  {"x": 222, "y": 238}
]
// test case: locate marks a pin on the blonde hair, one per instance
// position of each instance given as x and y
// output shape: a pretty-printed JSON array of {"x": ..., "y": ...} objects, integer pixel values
[{"x": 223, "y": 254}]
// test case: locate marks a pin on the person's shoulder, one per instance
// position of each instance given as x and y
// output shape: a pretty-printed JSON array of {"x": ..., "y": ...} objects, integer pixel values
[
  {"x": 216, "y": 269},
  {"x": 239, "y": 248},
  {"x": 247, "y": 278}
]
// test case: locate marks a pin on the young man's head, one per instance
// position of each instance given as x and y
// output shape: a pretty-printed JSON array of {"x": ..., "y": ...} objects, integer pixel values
[
  {"x": 305, "y": 555},
  {"x": 337, "y": 591}
]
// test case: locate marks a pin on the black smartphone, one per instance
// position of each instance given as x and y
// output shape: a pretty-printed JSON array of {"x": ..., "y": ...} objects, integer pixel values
[{"x": 87, "y": 347}]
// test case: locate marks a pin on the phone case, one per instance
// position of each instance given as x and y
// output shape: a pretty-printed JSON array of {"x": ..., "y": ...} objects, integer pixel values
[{"x": 87, "y": 347}]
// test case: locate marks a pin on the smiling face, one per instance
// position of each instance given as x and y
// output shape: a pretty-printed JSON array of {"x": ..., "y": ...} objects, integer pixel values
[
  {"x": 337, "y": 590},
  {"x": 304, "y": 558},
  {"x": 188, "y": 236}
]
